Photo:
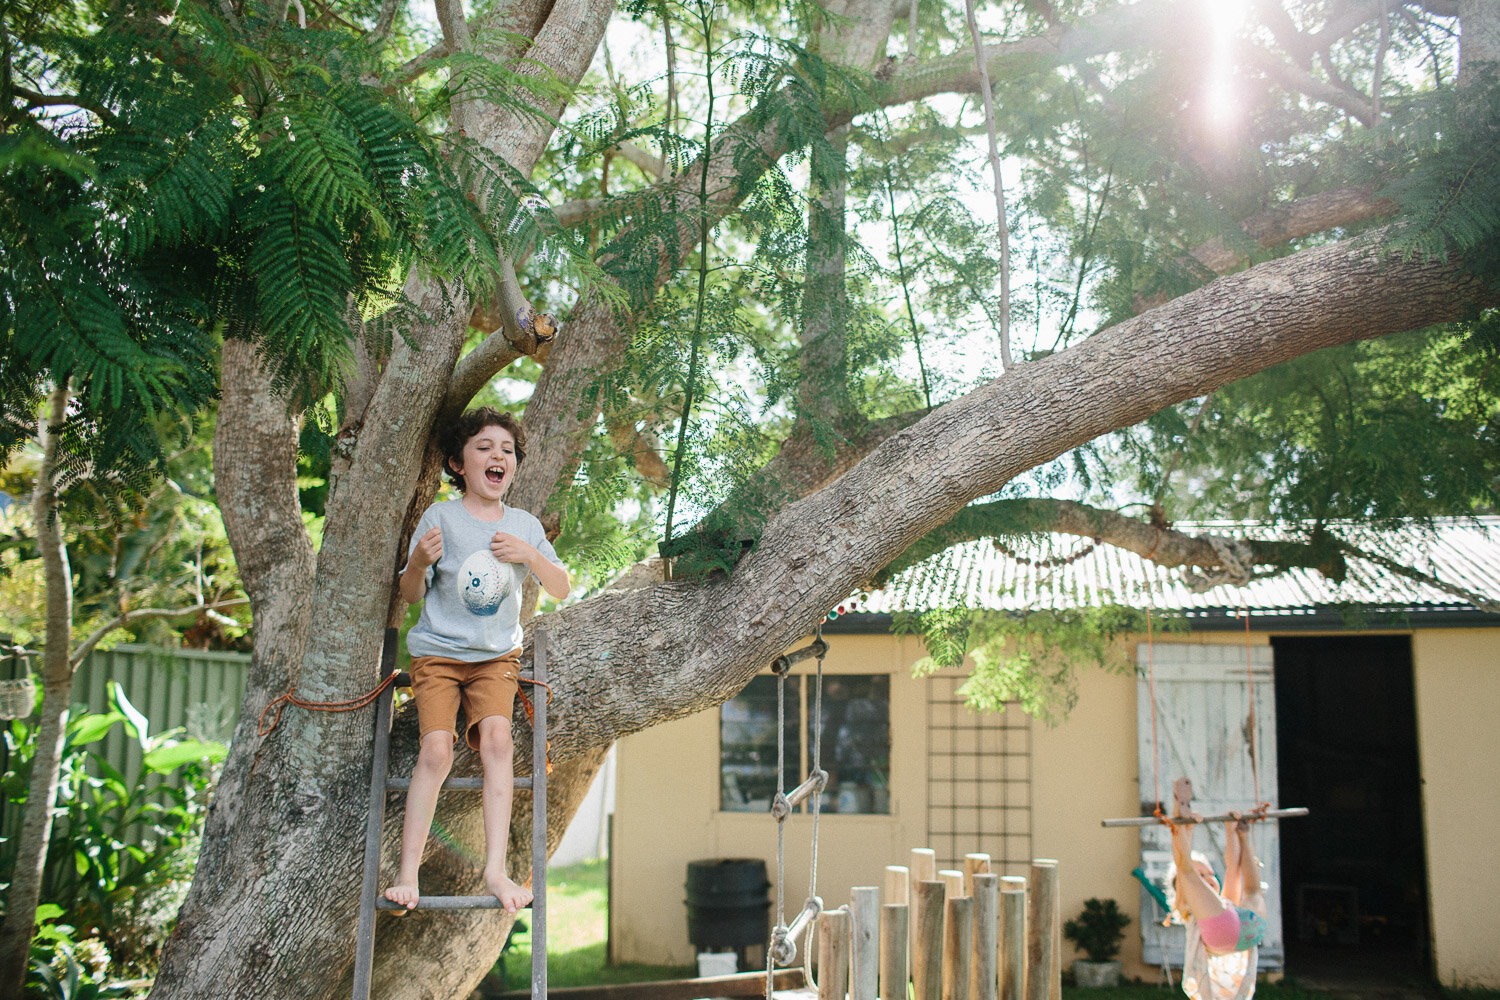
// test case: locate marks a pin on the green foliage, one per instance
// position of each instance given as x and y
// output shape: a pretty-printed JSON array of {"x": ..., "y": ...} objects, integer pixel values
[
  {"x": 1098, "y": 929},
  {"x": 122, "y": 848},
  {"x": 166, "y": 549},
  {"x": 1402, "y": 427},
  {"x": 1446, "y": 157},
  {"x": 64, "y": 969},
  {"x": 249, "y": 178},
  {"x": 1029, "y": 658}
]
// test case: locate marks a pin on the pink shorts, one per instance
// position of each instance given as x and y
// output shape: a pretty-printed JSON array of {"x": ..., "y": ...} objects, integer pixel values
[{"x": 1221, "y": 933}]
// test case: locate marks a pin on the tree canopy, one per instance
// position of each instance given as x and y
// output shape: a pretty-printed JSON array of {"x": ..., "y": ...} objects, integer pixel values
[{"x": 790, "y": 348}]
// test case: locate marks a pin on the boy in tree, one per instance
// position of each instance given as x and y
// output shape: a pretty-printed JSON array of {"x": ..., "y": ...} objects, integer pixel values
[{"x": 467, "y": 562}]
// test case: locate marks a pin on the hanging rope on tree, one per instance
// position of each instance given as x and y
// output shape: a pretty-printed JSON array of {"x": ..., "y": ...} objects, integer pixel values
[{"x": 783, "y": 949}]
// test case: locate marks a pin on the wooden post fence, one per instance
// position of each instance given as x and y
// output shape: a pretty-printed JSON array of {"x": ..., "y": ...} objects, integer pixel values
[
  {"x": 974, "y": 864},
  {"x": 927, "y": 941},
  {"x": 893, "y": 949},
  {"x": 1013, "y": 938},
  {"x": 984, "y": 961},
  {"x": 958, "y": 935},
  {"x": 864, "y": 909},
  {"x": 1043, "y": 961},
  {"x": 833, "y": 955}
]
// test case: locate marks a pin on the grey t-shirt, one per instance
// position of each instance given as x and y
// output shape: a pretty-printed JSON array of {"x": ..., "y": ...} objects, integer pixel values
[{"x": 472, "y": 610}]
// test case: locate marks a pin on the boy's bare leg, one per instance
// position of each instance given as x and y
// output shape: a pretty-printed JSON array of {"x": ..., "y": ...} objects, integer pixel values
[
  {"x": 497, "y": 753},
  {"x": 434, "y": 759}
]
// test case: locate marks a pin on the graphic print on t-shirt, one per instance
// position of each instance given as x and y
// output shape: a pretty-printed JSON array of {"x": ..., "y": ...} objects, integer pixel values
[{"x": 485, "y": 582}]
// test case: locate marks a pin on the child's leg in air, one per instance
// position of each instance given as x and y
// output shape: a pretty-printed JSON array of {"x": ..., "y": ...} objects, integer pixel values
[
  {"x": 1234, "y": 857},
  {"x": 498, "y": 755},
  {"x": 434, "y": 759},
  {"x": 1251, "y": 896},
  {"x": 1201, "y": 897},
  {"x": 1193, "y": 888}
]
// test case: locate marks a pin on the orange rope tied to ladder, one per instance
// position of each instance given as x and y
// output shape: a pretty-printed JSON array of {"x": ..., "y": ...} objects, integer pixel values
[
  {"x": 530, "y": 712},
  {"x": 278, "y": 704},
  {"x": 281, "y": 701}
]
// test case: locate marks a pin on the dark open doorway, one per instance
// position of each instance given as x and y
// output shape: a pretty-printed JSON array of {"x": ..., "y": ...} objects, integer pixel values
[{"x": 1353, "y": 874}]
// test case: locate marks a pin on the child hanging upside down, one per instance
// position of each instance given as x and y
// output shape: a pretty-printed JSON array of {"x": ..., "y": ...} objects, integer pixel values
[
  {"x": 1225, "y": 923},
  {"x": 467, "y": 561}
]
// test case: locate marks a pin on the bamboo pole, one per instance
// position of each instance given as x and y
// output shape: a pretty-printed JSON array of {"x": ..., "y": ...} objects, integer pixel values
[
  {"x": 974, "y": 864},
  {"x": 958, "y": 934},
  {"x": 984, "y": 962},
  {"x": 1013, "y": 938},
  {"x": 927, "y": 941},
  {"x": 953, "y": 882},
  {"x": 1043, "y": 963},
  {"x": 833, "y": 955},
  {"x": 1219, "y": 818},
  {"x": 893, "y": 943},
  {"x": 864, "y": 908}
]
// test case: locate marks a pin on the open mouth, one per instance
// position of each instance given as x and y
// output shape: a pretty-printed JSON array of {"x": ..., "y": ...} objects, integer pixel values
[{"x": 494, "y": 475}]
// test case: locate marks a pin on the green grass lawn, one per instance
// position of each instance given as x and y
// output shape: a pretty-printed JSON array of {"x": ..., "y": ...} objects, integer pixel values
[{"x": 576, "y": 914}]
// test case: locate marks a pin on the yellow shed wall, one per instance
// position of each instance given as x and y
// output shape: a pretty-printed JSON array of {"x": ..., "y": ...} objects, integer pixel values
[
  {"x": 1458, "y": 730},
  {"x": 1082, "y": 771},
  {"x": 667, "y": 797}
]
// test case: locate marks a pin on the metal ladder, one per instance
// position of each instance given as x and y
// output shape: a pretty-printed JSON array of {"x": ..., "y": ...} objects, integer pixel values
[{"x": 370, "y": 901}]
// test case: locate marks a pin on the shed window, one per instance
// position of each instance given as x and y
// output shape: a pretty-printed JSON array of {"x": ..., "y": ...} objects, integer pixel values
[{"x": 855, "y": 750}]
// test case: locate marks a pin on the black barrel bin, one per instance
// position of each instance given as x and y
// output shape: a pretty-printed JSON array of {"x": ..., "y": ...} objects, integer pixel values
[{"x": 728, "y": 905}]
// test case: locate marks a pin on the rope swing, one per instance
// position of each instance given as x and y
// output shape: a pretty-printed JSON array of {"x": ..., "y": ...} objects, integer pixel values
[
  {"x": 783, "y": 949},
  {"x": 1262, "y": 809}
]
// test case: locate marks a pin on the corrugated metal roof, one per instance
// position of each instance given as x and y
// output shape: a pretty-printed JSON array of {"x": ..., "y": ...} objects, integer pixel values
[{"x": 1464, "y": 553}]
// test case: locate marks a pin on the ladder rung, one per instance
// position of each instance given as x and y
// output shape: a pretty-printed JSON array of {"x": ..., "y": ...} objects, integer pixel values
[
  {"x": 484, "y": 902},
  {"x": 455, "y": 784}
]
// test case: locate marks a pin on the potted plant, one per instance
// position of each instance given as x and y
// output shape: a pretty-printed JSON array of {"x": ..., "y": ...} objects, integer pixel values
[{"x": 1097, "y": 932}]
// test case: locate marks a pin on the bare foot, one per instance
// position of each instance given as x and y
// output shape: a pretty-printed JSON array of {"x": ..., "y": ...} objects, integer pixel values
[
  {"x": 1182, "y": 800},
  {"x": 513, "y": 897},
  {"x": 403, "y": 895}
]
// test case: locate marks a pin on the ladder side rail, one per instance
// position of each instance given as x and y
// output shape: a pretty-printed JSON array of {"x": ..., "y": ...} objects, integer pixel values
[
  {"x": 364, "y": 940},
  {"x": 539, "y": 821}
]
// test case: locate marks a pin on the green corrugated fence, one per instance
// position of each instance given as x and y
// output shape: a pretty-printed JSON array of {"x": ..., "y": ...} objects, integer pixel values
[
  {"x": 191, "y": 688},
  {"x": 197, "y": 690}
]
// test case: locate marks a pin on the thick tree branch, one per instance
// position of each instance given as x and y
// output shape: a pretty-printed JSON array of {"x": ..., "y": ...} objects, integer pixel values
[
  {"x": 650, "y": 165},
  {"x": 33, "y": 99},
  {"x": 418, "y": 64},
  {"x": 1164, "y": 546},
  {"x": 1279, "y": 225},
  {"x": 86, "y": 647},
  {"x": 699, "y": 641},
  {"x": 1300, "y": 80},
  {"x": 576, "y": 213}
]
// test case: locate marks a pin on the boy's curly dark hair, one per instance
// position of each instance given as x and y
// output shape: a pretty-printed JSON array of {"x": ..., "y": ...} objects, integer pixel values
[{"x": 453, "y": 437}]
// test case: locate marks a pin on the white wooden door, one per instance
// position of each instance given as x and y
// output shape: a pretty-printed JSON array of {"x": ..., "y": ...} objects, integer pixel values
[{"x": 1203, "y": 731}]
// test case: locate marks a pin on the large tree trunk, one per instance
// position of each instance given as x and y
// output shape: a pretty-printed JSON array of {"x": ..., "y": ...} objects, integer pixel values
[{"x": 271, "y": 913}]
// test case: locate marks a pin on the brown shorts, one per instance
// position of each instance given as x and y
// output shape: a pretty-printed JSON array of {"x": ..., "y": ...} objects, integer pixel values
[{"x": 484, "y": 688}]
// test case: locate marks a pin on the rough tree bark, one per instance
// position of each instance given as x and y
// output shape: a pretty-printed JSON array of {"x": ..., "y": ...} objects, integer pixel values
[{"x": 272, "y": 905}]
